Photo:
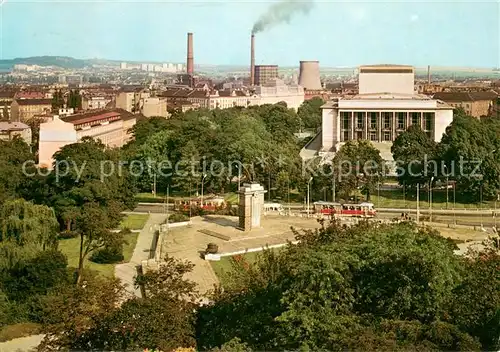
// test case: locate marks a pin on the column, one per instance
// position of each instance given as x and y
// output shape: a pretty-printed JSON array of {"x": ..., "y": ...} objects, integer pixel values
[
  {"x": 393, "y": 130},
  {"x": 380, "y": 124},
  {"x": 352, "y": 126},
  {"x": 408, "y": 119},
  {"x": 366, "y": 125}
]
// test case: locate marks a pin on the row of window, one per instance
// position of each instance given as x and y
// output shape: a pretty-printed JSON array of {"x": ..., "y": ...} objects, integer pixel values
[
  {"x": 386, "y": 120},
  {"x": 373, "y": 136}
]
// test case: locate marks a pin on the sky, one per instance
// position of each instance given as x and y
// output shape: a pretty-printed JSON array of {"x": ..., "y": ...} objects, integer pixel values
[{"x": 337, "y": 33}]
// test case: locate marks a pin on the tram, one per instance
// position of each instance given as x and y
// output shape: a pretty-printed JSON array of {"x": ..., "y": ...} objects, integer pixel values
[
  {"x": 209, "y": 203},
  {"x": 361, "y": 210}
]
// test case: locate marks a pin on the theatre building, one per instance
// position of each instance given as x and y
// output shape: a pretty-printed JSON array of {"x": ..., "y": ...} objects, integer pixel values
[{"x": 384, "y": 108}]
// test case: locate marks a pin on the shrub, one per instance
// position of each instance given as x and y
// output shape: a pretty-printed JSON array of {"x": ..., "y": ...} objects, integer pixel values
[
  {"x": 108, "y": 255},
  {"x": 64, "y": 235},
  {"x": 212, "y": 248},
  {"x": 178, "y": 217}
]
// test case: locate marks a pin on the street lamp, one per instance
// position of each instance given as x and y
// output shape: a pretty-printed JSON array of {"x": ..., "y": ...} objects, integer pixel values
[
  {"x": 202, "y": 181},
  {"x": 333, "y": 189},
  {"x": 308, "y": 192},
  {"x": 418, "y": 203},
  {"x": 430, "y": 199}
]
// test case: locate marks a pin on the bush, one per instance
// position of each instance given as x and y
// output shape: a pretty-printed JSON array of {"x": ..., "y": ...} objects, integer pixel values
[
  {"x": 212, "y": 248},
  {"x": 108, "y": 255},
  {"x": 64, "y": 235},
  {"x": 178, "y": 217}
]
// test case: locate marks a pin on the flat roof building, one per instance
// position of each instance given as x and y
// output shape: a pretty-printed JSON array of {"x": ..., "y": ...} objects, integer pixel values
[
  {"x": 385, "y": 108},
  {"x": 265, "y": 74}
]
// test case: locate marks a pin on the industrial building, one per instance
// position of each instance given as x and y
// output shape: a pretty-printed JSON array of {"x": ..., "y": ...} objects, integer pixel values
[
  {"x": 265, "y": 74},
  {"x": 385, "y": 107}
]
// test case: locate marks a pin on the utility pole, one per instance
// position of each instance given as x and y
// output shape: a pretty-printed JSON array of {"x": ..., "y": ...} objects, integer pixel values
[{"x": 333, "y": 190}]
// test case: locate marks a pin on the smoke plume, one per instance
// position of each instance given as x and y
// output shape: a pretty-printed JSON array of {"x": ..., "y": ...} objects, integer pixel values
[{"x": 281, "y": 12}]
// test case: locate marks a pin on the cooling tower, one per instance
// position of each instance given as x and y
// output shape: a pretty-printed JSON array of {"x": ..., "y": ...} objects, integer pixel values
[
  {"x": 252, "y": 60},
  {"x": 190, "y": 64},
  {"x": 309, "y": 75}
]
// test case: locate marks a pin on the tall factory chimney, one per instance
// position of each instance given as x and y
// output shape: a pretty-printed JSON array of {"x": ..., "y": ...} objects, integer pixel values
[
  {"x": 429, "y": 74},
  {"x": 252, "y": 60},
  {"x": 309, "y": 75},
  {"x": 190, "y": 64}
]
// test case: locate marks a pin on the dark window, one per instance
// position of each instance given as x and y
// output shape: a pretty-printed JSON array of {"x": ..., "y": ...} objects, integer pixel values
[
  {"x": 373, "y": 137},
  {"x": 359, "y": 135},
  {"x": 373, "y": 120},
  {"x": 415, "y": 118},
  {"x": 346, "y": 135},
  {"x": 387, "y": 136},
  {"x": 387, "y": 120},
  {"x": 428, "y": 120},
  {"x": 345, "y": 118},
  {"x": 401, "y": 118},
  {"x": 359, "y": 119}
]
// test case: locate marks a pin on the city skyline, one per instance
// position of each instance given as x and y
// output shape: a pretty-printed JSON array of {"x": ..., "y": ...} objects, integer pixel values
[{"x": 463, "y": 34}]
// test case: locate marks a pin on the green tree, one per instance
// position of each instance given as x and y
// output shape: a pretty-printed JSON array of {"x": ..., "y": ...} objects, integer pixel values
[
  {"x": 470, "y": 149},
  {"x": 93, "y": 319},
  {"x": 25, "y": 223},
  {"x": 358, "y": 165},
  {"x": 57, "y": 100},
  {"x": 74, "y": 100},
  {"x": 310, "y": 113},
  {"x": 413, "y": 152},
  {"x": 364, "y": 287}
]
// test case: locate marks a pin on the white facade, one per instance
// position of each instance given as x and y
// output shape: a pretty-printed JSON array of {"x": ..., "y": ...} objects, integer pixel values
[
  {"x": 54, "y": 135},
  {"x": 385, "y": 108},
  {"x": 154, "y": 107},
  {"x": 386, "y": 79},
  {"x": 293, "y": 96}
]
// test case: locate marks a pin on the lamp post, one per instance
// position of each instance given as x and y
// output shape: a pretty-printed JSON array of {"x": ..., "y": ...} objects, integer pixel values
[
  {"x": 202, "y": 182},
  {"x": 333, "y": 189},
  {"x": 308, "y": 194},
  {"x": 418, "y": 203},
  {"x": 430, "y": 199},
  {"x": 454, "y": 202}
]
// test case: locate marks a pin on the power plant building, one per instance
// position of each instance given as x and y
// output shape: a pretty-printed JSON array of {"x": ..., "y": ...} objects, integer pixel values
[
  {"x": 385, "y": 107},
  {"x": 265, "y": 74},
  {"x": 309, "y": 75}
]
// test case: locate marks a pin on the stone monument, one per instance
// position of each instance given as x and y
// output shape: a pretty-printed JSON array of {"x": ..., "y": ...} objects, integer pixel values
[{"x": 251, "y": 206}]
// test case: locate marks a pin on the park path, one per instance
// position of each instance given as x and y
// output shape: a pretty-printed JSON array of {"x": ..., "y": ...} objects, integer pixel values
[
  {"x": 127, "y": 271},
  {"x": 27, "y": 343}
]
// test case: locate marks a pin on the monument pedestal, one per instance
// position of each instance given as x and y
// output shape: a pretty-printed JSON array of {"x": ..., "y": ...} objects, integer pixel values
[{"x": 251, "y": 206}]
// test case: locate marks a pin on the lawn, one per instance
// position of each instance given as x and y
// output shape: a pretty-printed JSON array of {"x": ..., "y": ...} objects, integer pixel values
[
  {"x": 134, "y": 221},
  {"x": 71, "y": 247},
  {"x": 223, "y": 267}
]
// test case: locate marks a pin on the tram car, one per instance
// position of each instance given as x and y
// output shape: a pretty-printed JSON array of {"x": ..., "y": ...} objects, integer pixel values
[
  {"x": 210, "y": 204},
  {"x": 361, "y": 210}
]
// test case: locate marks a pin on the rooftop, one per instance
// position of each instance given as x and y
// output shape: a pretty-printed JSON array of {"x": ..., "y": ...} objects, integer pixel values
[
  {"x": 98, "y": 115},
  {"x": 466, "y": 96},
  {"x": 12, "y": 126},
  {"x": 34, "y": 101}
]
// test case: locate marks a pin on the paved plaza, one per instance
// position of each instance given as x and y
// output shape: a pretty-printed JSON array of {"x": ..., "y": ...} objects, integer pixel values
[{"x": 188, "y": 242}]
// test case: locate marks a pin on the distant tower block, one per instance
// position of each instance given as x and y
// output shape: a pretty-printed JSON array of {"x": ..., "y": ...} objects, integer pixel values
[
  {"x": 251, "y": 206},
  {"x": 309, "y": 75}
]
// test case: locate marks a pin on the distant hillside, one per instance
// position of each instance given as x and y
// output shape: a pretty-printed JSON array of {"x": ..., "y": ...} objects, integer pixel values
[{"x": 59, "y": 61}]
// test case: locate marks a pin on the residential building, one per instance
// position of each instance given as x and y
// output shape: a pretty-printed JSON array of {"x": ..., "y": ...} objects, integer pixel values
[
  {"x": 129, "y": 98},
  {"x": 25, "y": 109},
  {"x": 54, "y": 135},
  {"x": 476, "y": 104},
  {"x": 93, "y": 102},
  {"x": 6, "y": 99},
  {"x": 154, "y": 107},
  {"x": 380, "y": 115},
  {"x": 111, "y": 127},
  {"x": 66, "y": 111},
  {"x": 9, "y": 130}
]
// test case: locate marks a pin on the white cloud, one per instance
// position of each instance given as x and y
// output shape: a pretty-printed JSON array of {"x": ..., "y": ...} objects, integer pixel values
[{"x": 414, "y": 18}]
